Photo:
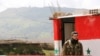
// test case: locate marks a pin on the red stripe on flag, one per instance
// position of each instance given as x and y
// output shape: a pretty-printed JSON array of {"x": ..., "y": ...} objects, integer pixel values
[
  {"x": 57, "y": 29},
  {"x": 88, "y": 27}
]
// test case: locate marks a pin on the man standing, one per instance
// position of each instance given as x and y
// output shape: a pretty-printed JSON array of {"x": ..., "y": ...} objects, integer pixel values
[{"x": 72, "y": 46}]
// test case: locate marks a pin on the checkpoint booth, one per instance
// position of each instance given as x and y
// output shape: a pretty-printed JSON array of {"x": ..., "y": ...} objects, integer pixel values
[{"x": 87, "y": 26}]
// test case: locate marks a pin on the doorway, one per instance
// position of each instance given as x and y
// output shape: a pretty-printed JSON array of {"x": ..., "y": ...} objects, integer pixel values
[{"x": 67, "y": 28}]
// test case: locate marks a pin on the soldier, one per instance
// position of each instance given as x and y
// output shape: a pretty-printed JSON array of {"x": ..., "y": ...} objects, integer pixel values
[{"x": 72, "y": 46}]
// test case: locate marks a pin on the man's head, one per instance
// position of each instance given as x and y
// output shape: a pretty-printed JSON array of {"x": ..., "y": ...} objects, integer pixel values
[{"x": 74, "y": 35}]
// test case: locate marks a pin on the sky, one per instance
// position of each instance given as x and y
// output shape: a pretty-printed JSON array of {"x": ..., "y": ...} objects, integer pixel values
[{"x": 88, "y": 4}]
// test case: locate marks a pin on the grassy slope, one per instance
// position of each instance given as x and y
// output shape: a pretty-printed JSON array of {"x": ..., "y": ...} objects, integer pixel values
[{"x": 49, "y": 52}]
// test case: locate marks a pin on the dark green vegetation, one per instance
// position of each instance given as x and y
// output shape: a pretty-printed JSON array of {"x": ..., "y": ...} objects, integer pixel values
[{"x": 21, "y": 49}]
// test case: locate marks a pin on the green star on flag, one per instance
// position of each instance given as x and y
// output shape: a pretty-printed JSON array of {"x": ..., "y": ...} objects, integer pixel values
[
  {"x": 88, "y": 51},
  {"x": 56, "y": 51}
]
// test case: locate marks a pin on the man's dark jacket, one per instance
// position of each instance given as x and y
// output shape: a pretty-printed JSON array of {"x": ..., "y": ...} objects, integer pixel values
[{"x": 71, "y": 47}]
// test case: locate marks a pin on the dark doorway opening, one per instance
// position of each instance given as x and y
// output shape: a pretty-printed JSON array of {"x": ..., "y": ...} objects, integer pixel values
[{"x": 67, "y": 28}]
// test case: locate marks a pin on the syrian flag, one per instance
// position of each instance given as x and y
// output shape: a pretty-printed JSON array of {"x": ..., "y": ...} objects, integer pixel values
[{"x": 88, "y": 28}]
